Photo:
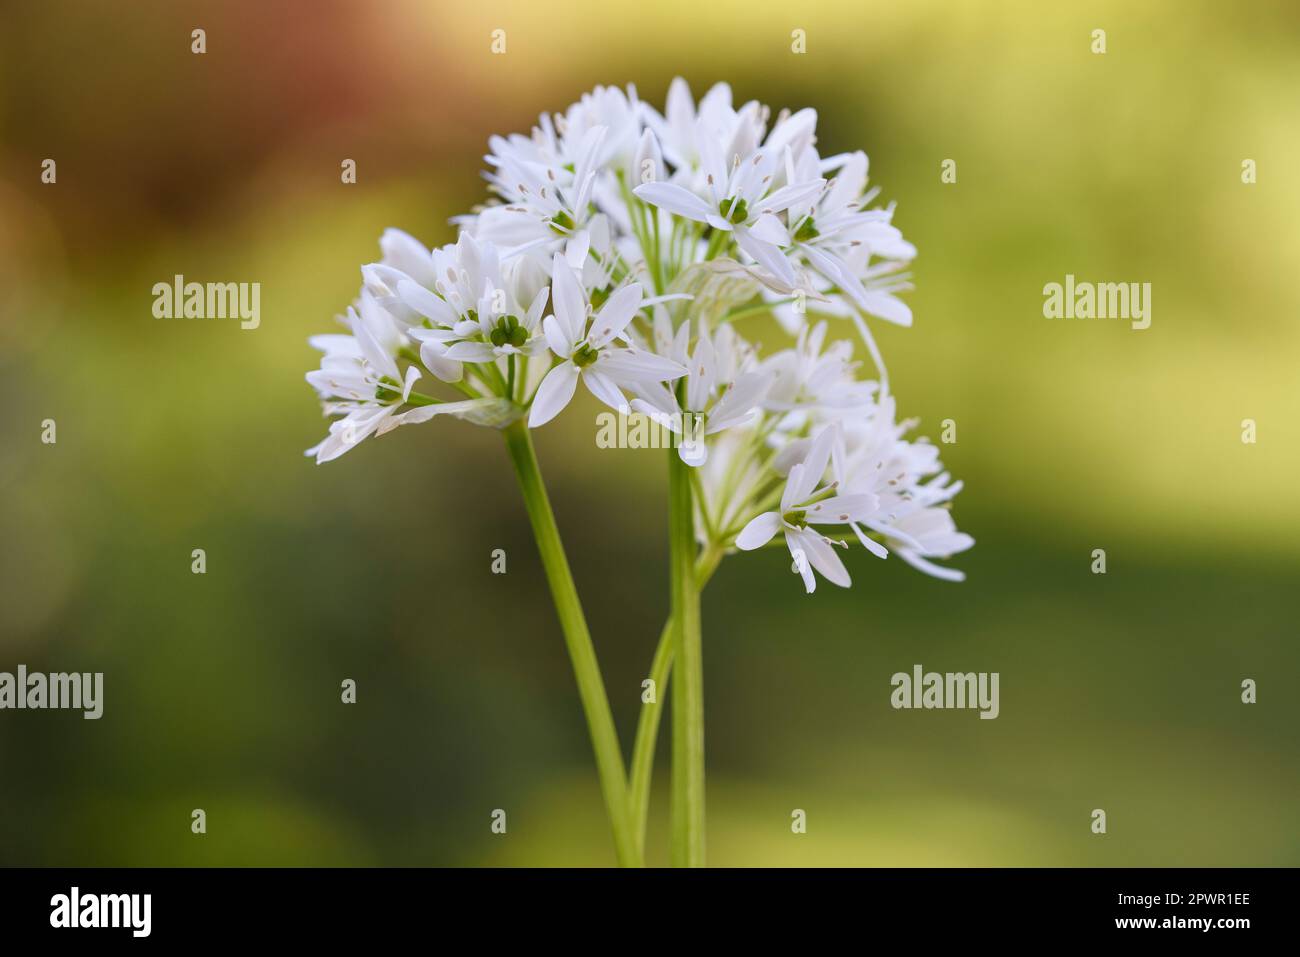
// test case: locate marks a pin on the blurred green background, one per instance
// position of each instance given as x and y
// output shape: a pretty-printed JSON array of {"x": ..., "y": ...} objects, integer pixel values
[{"x": 222, "y": 691}]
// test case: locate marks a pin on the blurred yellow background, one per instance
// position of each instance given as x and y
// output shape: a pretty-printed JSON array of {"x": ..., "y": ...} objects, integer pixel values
[{"x": 1119, "y": 692}]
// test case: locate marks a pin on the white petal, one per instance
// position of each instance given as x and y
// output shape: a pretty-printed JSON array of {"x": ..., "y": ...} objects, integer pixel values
[
  {"x": 470, "y": 352},
  {"x": 615, "y": 315},
  {"x": 675, "y": 199},
  {"x": 692, "y": 450},
  {"x": 659, "y": 404},
  {"x": 793, "y": 483},
  {"x": 830, "y": 266},
  {"x": 768, "y": 229},
  {"x": 887, "y": 307},
  {"x": 537, "y": 307},
  {"x": 412, "y": 376},
  {"x": 898, "y": 536},
  {"x": 333, "y": 344},
  {"x": 794, "y": 132},
  {"x": 766, "y": 255},
  {"x": 534, "y": 346},
  {"x": 489, "y": 410},
  {"x": 745, "y": 394},
  {"x": 935, "y": 571},
  {"x": 802, "y": 565},
  {"x": 814, "y": 465},
  {"x": 648, "y": 154},
  {"x": 605, "y": 390},
  {"x": 679, "y": 111},
  {"x": 348, "y": 432},
  {"x": 553, "y": 394},
  {"x": 789, "y": 195},
  {"x": 630, "y": 367},
  {"x": 557, "y": 338},
  {"x": 839, "y": 509},
  {"x": 758, "y": 532},
  {"x": 870, "y": 544},
  {"x": 850, "y": 182},
  {"x": 703, "y": 374},
  {"x": 371, "y": 332},
  {"x": 426, "y": 303},
  {"x": 433, "y": 355},
  {"x": 822, "y": 555},
  {"x": 421, "y": 334},
  {"x": 406, "y": 253},
  {"x": 575, "y": 250},
  {"x": 568, "y": 301},
  {"x": 787, "y": 457}
]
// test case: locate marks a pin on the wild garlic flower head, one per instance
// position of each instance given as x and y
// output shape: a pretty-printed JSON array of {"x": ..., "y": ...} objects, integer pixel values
[{"x": 631, "y": 250}]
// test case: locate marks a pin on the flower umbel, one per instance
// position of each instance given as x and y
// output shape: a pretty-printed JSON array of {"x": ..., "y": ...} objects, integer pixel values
[{"x": 633, "y": 251}]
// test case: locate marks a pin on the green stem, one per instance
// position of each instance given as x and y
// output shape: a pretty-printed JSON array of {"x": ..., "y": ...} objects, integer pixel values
[
  {"x": 419, "y": 398},
  {"x": 687, "y": 805},
  {"x": 716, "y": 242},
  {"x": 591, "y": 689},
  {"x": 647, "y": 731},
  {"x": 754, "y": 310},
  {"x": 647, "y": 726},
  {"x": 697, "y": 486}
]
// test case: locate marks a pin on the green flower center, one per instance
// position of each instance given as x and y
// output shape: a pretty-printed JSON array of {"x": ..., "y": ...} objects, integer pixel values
[
  {"x": 562, "y": 223},
  {"x": 508, "y": 332},
  {"x": 734, "y": 211},
  {"x": 795, "y": 518},
  {"x": 584, "y": 356},
  {"x": 806, "y": 231}
]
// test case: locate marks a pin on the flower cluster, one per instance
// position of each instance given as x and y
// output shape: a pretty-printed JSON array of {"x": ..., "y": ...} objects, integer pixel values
[{"x": 626, "y": 248}]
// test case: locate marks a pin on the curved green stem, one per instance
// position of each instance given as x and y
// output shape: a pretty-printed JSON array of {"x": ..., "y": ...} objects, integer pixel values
[
  {"x": 647, "y": 726},
  {"x": 591, "y": 689},
  {"x": 759, "y": 309},
  {"x": 647, "y": 731},
  {"x": 687, "y": 805},
  {"x": 717, "y": 242}
]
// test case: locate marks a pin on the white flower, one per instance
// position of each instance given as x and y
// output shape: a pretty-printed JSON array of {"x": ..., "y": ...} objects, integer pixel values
[
  {"x": 808, "y": 378},
  {"x": 546, "y": 184},
  {"x": 838, "y": 235},
  {"x": 502, "y": 335},
  {"x": 726, "y": 179},
  {"x": 719, "y": 394},
  {"x": 585, "y": 344},
  {"x": 682, "y": 126},
  {"x": 471, "y": 307},
  {"x": 804, "y": 504},
  {"x": 872, "y": 289},
  {"x": 732, "y": 478},
  {"x": 742, "y": 201},
  {"x": 936, "y": 536},
  {"x": 856, "y": 255},
  {"x": 906, "y": 477},
  {"x": 605, "y": 199},
  {"x": 619, "y": 113},
  {"x": 359, "y": 376},
  {"x": 407, "y": 255}
]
